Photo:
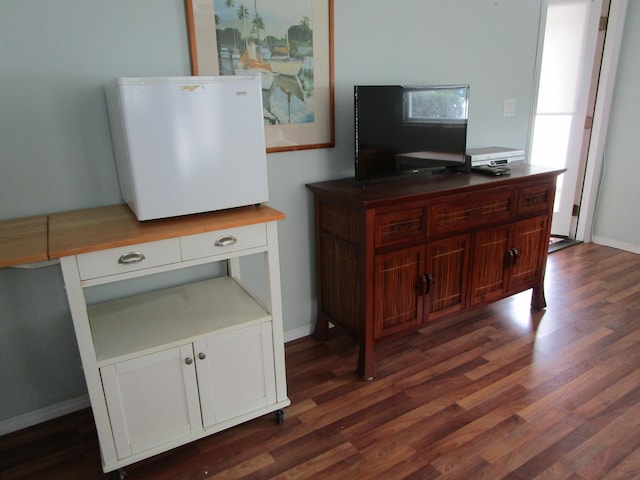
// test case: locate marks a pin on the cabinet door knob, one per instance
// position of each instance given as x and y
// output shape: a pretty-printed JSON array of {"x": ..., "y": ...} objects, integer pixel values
[
  {"x": 516, "y": 256},
  {"x": 425, "y": 284},
  {"x": 508, "y": 259},
  {"x": 202, "y": 356},
  {"x": 188, "y": 360}
]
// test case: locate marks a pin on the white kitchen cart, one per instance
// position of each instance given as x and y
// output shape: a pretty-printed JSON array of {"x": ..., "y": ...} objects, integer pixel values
[{"x": 170, "y": 366}]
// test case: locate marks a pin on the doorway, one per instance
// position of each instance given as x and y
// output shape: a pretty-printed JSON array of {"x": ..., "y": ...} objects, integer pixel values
[{"x": 569, "y": 73}]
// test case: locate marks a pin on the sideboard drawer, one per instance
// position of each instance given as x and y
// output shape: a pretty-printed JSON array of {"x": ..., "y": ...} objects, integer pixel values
[
  {"x": 399, "y": 226},
  {"x": 478, "y": 209},
  {"x": 223, "y": 241},
  {"x": 129, "y": 258},
  {"x": 536, "y": 198}
]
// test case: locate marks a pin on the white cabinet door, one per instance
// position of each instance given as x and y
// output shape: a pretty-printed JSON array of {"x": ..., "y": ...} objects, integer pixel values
[
  {"x": 152, "y": 400},
  {"x": 236, "y": 372}
]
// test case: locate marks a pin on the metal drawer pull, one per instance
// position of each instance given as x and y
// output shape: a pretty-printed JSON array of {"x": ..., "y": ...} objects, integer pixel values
[
  {"x": 226, "y": 241},
  {"x": 131, "y": 257}
]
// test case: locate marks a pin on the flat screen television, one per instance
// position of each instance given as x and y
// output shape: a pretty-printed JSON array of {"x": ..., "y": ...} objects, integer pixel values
[{"x": 409, "y": 129}]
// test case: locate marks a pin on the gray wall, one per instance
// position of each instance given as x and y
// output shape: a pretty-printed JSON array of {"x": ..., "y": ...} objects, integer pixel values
[{"x": 56, "y": 153}]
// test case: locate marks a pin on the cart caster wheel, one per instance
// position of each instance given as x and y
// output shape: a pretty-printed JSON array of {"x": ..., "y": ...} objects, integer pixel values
[
  {"x": 118, "y": 474},
  {"x": 280, "y": 414}
]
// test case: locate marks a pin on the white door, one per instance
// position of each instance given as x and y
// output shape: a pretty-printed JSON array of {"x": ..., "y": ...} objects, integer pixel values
[
  {"x": 152, "y": 400},
  {"x": 236, "y": 372},
  {"x": 560, "y": 137}
]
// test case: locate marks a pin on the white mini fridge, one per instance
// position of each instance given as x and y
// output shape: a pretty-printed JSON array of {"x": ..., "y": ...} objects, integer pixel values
[{"x": 186, "y": 145}]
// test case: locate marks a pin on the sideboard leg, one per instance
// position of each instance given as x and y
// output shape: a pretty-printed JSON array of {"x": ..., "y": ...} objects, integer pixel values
[
  {"x": 538, "y": 301},
  {"x": 321, "y": 331},
  {"x": 366, "y": 362}
]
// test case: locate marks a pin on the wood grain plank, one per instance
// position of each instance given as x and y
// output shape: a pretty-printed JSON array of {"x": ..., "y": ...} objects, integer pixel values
[
  {"x": 23, "y": 240},
  {"x": 83, "y": 231}
]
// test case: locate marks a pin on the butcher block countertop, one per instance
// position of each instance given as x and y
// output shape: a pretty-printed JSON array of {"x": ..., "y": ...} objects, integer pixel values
[
  {"x": 46, "y": 237},
  {"x": 23, "y": 240}
]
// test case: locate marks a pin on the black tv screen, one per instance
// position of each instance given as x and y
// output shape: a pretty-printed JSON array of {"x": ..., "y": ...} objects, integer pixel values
[{"x": 401, "y": 129}]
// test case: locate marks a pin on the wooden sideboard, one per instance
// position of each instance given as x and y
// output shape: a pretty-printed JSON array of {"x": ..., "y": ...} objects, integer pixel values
[{"x": 406, "y": 251}]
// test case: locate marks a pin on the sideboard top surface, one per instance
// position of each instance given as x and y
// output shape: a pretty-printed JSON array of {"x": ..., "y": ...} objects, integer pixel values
[
  {"x": 83, "y": 231},
  {"x": 380, "y": 191}
]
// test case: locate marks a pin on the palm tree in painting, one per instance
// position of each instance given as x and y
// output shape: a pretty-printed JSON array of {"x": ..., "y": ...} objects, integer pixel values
[
  {"x": 243, "y": 13},
  {"x": 231, "y": 5},
  {"x": 305, "y": 23},
  {"x": 301, "y": 33},
  {"x": 257, "y": 23}
]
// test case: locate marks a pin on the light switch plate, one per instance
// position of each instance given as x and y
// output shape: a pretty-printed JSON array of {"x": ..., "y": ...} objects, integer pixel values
[{"x": 509, "y": 107}]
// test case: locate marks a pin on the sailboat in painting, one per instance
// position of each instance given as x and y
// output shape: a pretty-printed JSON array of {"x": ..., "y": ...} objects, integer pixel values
[
  {"x": 273, "y": 41},
  {"x": 252, "y": 62},
  {"x": 284, "y": 64}
]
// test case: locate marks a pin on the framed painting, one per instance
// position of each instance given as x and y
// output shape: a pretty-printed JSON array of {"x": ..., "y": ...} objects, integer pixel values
[{"x": 289, "y": 43}]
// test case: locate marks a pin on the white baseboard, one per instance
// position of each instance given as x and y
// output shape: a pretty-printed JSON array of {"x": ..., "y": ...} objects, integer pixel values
[
  {"x": 29, "y": 419},
  {"x": 299, "y": 332},
  {"x": 629, "y": 247}
]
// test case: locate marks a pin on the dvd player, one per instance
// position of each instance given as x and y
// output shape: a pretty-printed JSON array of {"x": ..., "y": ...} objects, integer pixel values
[{"x": 494, "y": 156}]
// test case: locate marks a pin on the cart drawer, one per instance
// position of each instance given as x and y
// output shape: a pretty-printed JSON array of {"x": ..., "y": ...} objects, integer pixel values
[
  {"x": 128, "y": 258},
  {"x": 223, "y": 242}
]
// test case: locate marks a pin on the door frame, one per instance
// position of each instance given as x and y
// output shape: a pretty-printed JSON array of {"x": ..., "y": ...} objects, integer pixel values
[{"x": 595, "y": 155}]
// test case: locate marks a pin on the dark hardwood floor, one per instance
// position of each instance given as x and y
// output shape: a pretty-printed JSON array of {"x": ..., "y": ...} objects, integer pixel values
[{"x": 499, "y": 392}]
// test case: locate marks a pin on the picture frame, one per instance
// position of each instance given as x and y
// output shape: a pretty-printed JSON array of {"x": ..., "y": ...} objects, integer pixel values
[{"x": 290, "y": 44}]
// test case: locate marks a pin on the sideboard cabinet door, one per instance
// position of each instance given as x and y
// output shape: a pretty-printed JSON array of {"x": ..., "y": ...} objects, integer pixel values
[
  {"x": 530, "y": 244},
  {"x": 508, "y": 259},
  {"x": 489, "y": 276},
  {"x": 448, "y": 265},
  {"x": 400, "y": 290}
]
